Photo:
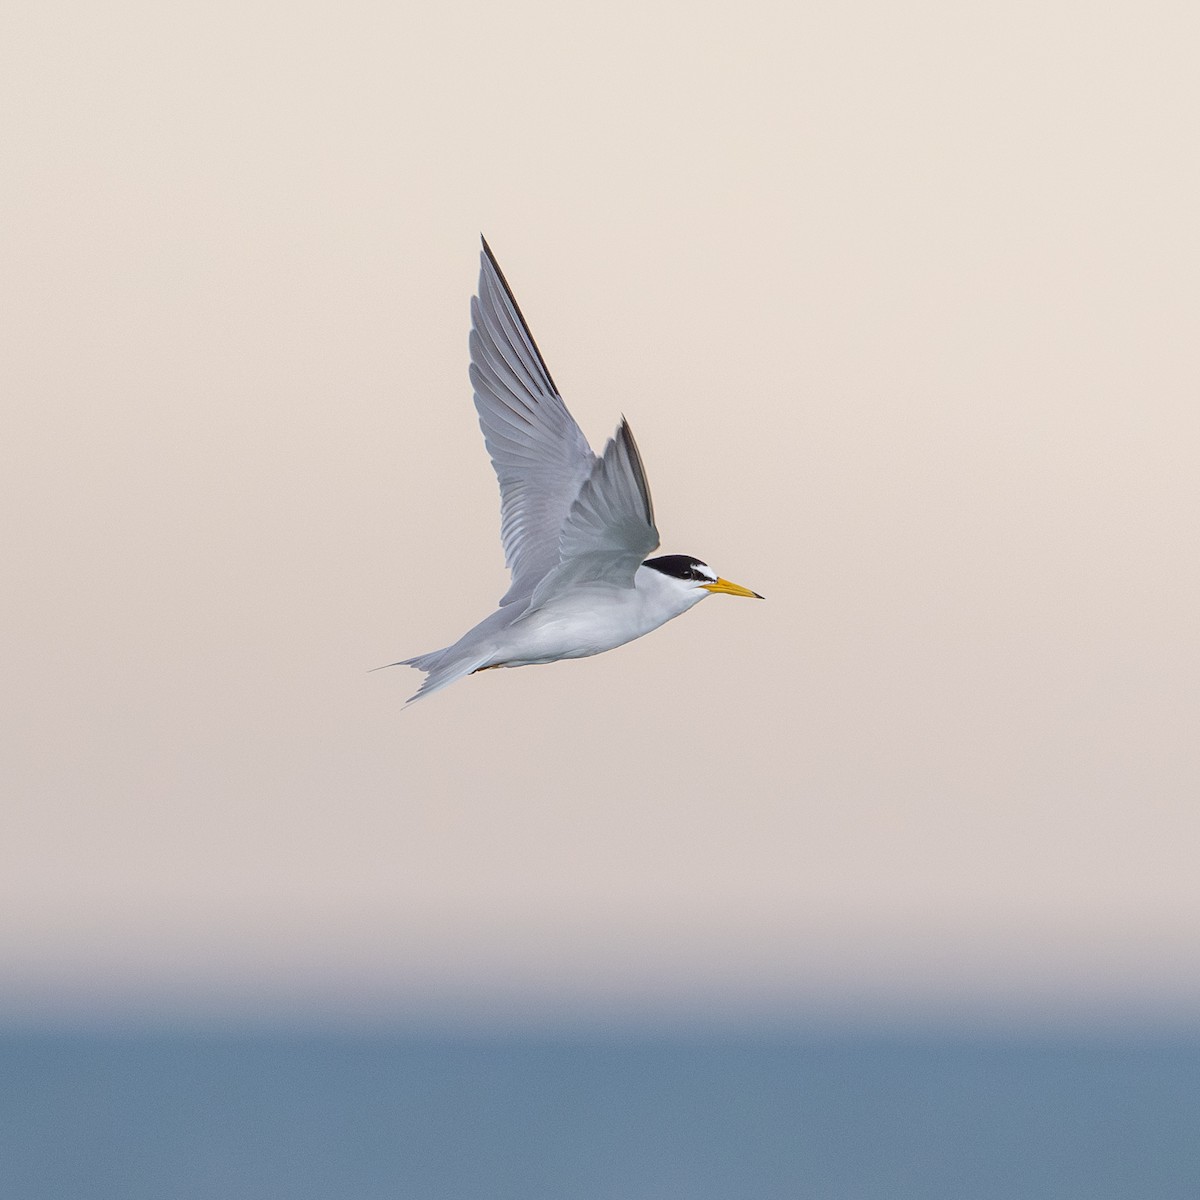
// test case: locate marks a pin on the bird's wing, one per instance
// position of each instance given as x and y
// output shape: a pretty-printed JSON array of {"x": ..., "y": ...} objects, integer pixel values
[
  {"x": 610, "y": 528},
  {"x": 540, "y": 454}
]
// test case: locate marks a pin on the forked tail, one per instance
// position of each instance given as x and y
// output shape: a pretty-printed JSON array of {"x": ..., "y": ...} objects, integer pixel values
[{"x": 441, "y": 669}]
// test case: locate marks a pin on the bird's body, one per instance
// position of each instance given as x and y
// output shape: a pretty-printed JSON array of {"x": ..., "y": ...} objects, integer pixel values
[
  {"x": 584, "y": 620},
  {"x": 576, "y": 527}
]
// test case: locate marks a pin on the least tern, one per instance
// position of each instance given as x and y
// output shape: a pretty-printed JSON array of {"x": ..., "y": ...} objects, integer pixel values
[{"x": 576, "y": 527}]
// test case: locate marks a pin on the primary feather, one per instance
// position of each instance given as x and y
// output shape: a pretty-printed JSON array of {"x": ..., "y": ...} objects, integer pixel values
[{"x": 540, "y": 454}]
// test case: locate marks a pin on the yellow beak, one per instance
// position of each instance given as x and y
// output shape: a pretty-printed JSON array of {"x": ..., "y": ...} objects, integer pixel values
[{"x": 730, "y": 589}]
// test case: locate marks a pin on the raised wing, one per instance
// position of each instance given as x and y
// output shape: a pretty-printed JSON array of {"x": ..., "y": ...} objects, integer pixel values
[
  {"x": 610, "y": 528},
  {"x": 540, "y": 454}
]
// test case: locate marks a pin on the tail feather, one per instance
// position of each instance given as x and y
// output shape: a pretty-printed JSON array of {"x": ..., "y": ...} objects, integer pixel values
[
  {"x": 423, "y": 662},
  {"x": 441, "y": 670}
]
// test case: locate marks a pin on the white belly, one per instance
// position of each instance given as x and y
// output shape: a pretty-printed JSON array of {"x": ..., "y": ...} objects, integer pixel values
[{"x": 588, "y": 621}]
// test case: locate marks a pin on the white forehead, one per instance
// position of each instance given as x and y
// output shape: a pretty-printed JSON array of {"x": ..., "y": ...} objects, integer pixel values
[{"x": 707, "y": 571}]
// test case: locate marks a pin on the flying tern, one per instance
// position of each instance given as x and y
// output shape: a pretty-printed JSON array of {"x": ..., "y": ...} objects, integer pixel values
[{"x": 576, "y": 527}]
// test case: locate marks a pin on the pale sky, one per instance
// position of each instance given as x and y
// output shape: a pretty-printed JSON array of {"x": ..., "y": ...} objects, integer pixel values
[{"x": 902, "y": 304}]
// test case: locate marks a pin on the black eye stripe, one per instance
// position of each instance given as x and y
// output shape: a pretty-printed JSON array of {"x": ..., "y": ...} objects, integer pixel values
[{"x": 680, "y": 566}]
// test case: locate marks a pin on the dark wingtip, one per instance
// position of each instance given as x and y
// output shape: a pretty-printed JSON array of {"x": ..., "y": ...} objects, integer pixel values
[
  {"x": 639, "y": 467},
  {"x": 487, "y": 251}
]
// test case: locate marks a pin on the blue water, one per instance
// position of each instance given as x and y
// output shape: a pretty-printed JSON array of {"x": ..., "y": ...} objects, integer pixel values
[{"x": 226, "y": 1117}]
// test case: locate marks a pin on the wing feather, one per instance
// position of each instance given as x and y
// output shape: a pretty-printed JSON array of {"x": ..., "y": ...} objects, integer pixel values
[
  {"x": 613, "y": 512},
  {"x": 540, "y": 454},
  {"x": 610, "y": 529}
]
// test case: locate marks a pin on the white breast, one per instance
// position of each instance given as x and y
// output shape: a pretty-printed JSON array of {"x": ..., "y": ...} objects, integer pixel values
[{"x": 588, "y": 619}]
